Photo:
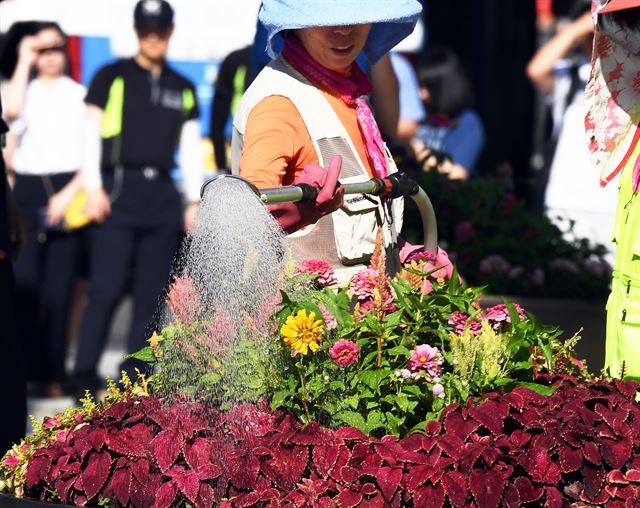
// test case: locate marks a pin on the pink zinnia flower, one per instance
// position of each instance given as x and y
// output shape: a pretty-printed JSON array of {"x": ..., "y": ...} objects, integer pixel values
[
  {"x": 428, "y": 359},
  {"x": 323, "y": 270},
  {"x": 460, "y": 320},
  {"x": 363, "y": 283},
  {"x": 329, "y": 320},
  {"x": 344, "y": 352},
  {"x": 499, "y": 313}
]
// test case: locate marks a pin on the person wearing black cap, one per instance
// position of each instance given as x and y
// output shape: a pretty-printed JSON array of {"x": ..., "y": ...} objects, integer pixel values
[{"x": 139, "y": 109}]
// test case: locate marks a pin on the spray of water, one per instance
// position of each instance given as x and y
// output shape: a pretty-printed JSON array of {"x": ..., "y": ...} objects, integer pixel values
[{"x": 224, "y": 292}]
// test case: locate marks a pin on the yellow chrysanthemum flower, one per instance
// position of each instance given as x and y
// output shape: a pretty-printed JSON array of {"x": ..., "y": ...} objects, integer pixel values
[{"x": 303, "y": 332}]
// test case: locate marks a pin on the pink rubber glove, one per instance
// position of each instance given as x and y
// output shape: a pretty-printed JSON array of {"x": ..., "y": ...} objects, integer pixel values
[{"x": 293, "y": 216}]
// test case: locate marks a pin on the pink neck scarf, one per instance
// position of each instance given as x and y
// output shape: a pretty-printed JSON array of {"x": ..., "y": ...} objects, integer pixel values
[{"x": 352, "y": 90}]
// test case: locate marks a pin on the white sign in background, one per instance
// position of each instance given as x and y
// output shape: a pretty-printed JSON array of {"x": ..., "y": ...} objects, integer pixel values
[{"x": 205, "y": 29}]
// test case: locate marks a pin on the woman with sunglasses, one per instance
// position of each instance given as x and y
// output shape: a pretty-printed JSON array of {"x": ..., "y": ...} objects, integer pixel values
[{"x": 46, "y": 112}]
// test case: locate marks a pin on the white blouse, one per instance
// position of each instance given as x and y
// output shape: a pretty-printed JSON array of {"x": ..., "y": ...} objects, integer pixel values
[{"x": 50, "y": 128}]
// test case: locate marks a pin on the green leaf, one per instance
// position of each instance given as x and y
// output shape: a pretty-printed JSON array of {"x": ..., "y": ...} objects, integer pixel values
[
  {"x": 399, "y": 351},
  {"x": 353, "y": 419},
  {"x": 144, "y": 355},
  {"x": 538, "y": 388}
]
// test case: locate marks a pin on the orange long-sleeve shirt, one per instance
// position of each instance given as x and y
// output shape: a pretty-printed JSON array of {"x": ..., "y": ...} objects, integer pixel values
[{"x": 277, "y": 143}]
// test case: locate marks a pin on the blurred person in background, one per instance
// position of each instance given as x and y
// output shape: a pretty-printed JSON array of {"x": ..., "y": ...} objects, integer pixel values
[
  {"x": 560, "y": 70},
  {"x": 139, "y": 111},
  {"x": 452, "y": 127},
  {"x": 613, "y": 133},
  {"x": 46, "y": 115},
  {"x": 13, "y": 398},
  {"x": 412, "y": 111}
]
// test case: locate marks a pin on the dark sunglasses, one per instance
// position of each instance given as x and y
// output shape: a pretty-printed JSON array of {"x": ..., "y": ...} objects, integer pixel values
[{"x": 52, "y": 49}]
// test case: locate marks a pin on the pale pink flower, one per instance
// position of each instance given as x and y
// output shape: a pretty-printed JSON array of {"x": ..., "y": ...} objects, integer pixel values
[
  {"x": 460, "y": 320},
  {"x": 325, "y": 275},
  {"x": 344, "y": 352},
  {"x": 494, "y": 263},
  {"x": 329, "y": 320},
  {"x": 565, "y": 265},
  {"x": 537, "y": 277},
  {"x": 61, "y": 435},
  {"x": 363, "y": 283},
  {"x": 438, "y": 390},
  {"x": 428, "y": 359}
]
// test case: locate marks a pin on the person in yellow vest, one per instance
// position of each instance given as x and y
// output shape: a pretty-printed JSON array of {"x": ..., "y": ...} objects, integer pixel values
[
  {"x": 308, "y": 110},
  {"x": 139, "y": 111},
  {"x": 613, "y": 132}
]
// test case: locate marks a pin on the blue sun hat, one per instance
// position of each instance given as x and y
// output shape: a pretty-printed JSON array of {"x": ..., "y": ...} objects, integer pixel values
[{"x": 392, "y": 20}]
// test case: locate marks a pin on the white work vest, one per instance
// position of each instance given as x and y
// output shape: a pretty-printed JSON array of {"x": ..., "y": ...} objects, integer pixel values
[{"x": 346, "y": 238}]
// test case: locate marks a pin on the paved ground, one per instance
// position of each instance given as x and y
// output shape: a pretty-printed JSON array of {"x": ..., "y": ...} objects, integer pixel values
[{"x": 108, "y": 366}]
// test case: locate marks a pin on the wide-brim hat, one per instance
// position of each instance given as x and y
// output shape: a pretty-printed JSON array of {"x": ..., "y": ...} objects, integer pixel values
[
  {"x": 618, "y": 5},
  {"x": 392, "y": 20},
  {"x": 612, "y": 94}
]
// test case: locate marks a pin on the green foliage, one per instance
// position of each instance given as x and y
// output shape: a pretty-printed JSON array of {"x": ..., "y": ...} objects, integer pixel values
[{"x": 496, "y": 241}]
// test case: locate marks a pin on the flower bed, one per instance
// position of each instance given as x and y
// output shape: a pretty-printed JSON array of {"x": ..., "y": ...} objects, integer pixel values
[
  {"x": 582, "y": 445},
  {"x": 386, "y": 391}
]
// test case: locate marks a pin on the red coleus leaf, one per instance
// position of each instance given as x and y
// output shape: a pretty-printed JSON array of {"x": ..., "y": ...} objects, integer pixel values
[
  {"x": 452, "y": 445},
  {"x": 349, "y": 474},
  {"x": 324, "y": 459},
  {"x": 166, "y": 495},
  {"x": 348, "y": 498},
  {"x": 130, "y": 441},
  {"x": 433, "y": 428},
  {"x": 206, "y": 498},
  {"x": 118, "y": 486},
  {"x": 313, "y": 434},
  {"x": 633, "y": 475},
  {"x": 429, "y": 496},
  {"x": 287, "y": 465},
  {"x": 511, "y": 497},
  {"x": 591, "y": 453},
  {"x": 343, "y": 457},
  {"x": 197, "y": 453},
  {"x": 593, "y": 480},
  {"x": 389, "y": 449},
  {"x": 369, "y": 489},
  {"x": 412, "y": 443},
  {"x": 486, "y": 487},
  {"x": 140, "y": 469},
  {"x": 62, "y": 488},
  {"x": 37, "y": 469},
  {"x": 617, "y": 477},
  {"x": 491, "y": 415},
  {"x": 243, "y": 468},
  {"x": 616, "y": 453},
  {"x": 455, "y": 486},
  {"x": 189, "y": 484},
  {"x": 96, "y": 438},
  {"x": 166, "y": 447},
  {"x": 527, "y": 492},
  {"x": 470, "y": 454},
  {"x": 388, "y": 480},
  {"x": 570, "y": 459},
  {"x": 350, "y": 434},
  {"x": 540, "y": 467},
  {"x": 600, "y": 499},
  {"x": 611, "y": 416},
  {"x": 627, "y": 388},
  {"x": 554, "y": 498},
  {"x": 456, "y": 424},
  {"x": 96, "y": 472},
  {"x": 519, "y": 438}
]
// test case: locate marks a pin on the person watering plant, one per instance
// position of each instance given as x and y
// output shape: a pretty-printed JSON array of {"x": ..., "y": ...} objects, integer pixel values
[
  {"x": 306, "y": 119},
  {"x": 613, "y": 131}
]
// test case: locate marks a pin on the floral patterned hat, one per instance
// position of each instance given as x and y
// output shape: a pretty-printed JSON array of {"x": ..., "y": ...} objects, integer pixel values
[{"x": 613, "y": 92}]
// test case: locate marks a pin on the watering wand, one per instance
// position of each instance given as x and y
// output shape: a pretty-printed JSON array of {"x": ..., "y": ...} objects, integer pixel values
[{"x": 393, "y": 186}]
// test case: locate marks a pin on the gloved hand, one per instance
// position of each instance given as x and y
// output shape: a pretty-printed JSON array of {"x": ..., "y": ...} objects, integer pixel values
[{"x": 293, "y": 216}]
